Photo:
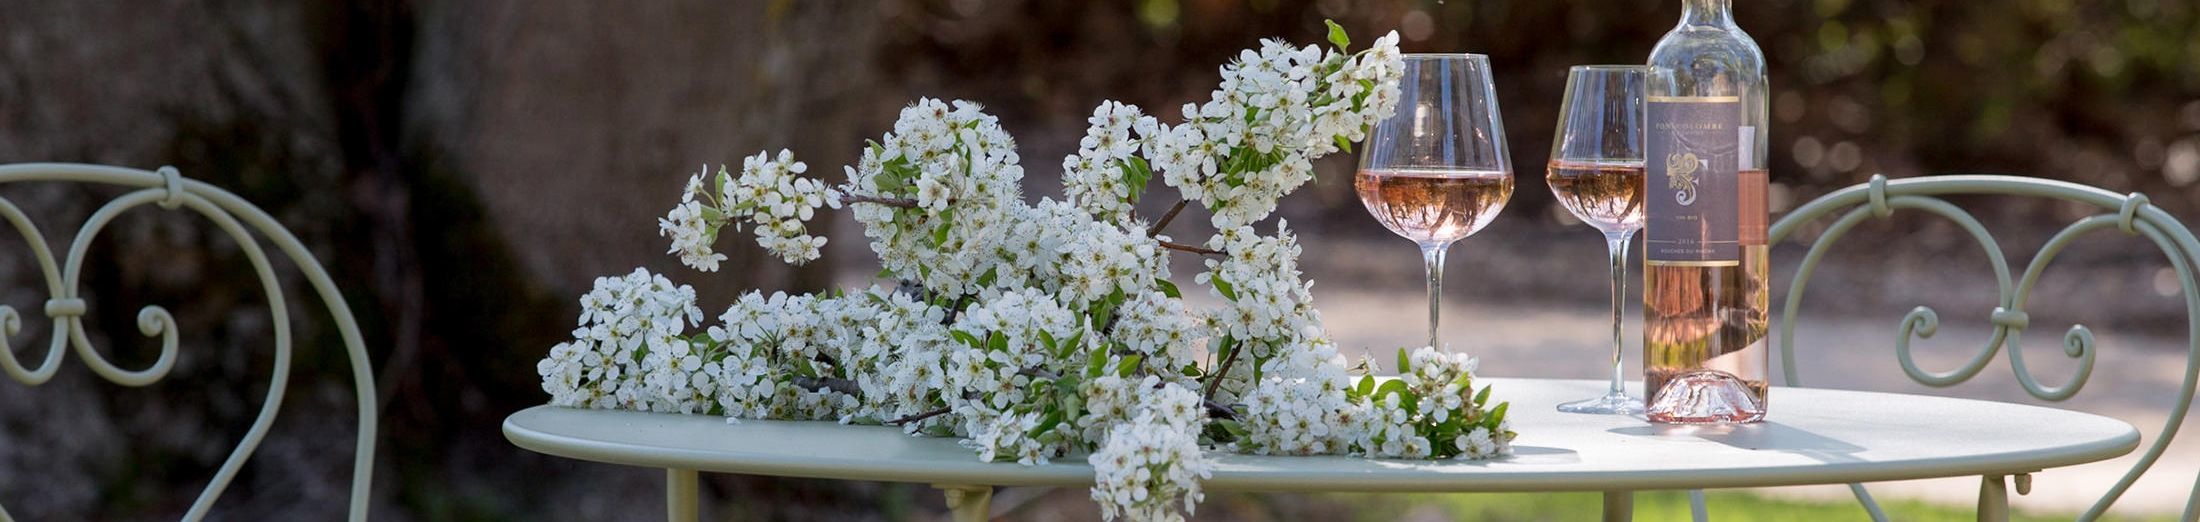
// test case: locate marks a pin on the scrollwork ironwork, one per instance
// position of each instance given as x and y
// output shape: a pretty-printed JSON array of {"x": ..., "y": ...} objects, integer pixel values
[
  {"x": 2131, "y": 214},
  {"x": 169, "y": 190}
]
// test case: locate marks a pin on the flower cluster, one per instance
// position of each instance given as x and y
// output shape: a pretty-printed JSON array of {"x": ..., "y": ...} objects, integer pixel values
[
  {"x": 1057, "y": 248},
  {"x": 630, "y": 333},
  {"x": 1300, "y": 405},
  {"x": 907, "y": 344},
  {"x": 1428, "y": 411},
  {"x": 1105, "y": 175},
  {"x": 1014, "y": 346},
  {"x": 1259, "y": 281},
  {"x": 1031, "y": 331},
  {"x": 1158, "y": 328},
  {"x": 1152, "y": 462},
  {"x": 1276, "y": 110},
  {"x": 770, "y": 195},
  {"x": 759, "y": 335},
  {"x": 952, "y": 178}
]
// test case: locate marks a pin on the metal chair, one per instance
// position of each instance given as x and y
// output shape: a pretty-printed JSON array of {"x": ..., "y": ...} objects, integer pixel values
[
  {"x": 2131, "y": 214},
  {"x": 240, "y": 219}
]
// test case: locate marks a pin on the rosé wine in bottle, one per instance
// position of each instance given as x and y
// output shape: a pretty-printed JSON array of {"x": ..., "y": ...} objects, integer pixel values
[{"x": 1705, "y": 272}]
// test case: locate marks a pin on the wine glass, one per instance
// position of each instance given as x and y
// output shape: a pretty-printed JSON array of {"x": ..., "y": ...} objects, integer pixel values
[
  {"x": 1437, "y": 171},
  {"x": 1597, "y": 173}
]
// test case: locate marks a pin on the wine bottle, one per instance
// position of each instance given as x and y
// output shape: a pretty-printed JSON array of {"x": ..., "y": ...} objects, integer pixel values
[{"x": 1705, "y": 291}]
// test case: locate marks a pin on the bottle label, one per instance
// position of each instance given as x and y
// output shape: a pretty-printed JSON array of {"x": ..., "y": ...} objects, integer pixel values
[{"x": 1694, "y": 192}]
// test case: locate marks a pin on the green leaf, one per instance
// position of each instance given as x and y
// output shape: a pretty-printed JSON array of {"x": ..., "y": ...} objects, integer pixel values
[
  {"x": 1191, "y": 370},
  {"x": 1047, "y": 423},
  {"x": 1223, "y": 286},
  {"x": 997, "y": 342},
  {"x": 1096, "y": 364},
  {"x": 885, "y": 273},
  {"x": 1168, "y": 288},
  {"x": 1135, "y": 175},
  {"x": 1405, "y": 362},
  {"x": 1367, "y": 386},
  {"x": 966, "y": 338},
  {"x": 1047, "y": 340},
  {"x": 1344, "y": 144},
  {"x": 1128, "y": 365},
  {"x": 1067, "y": 385},
  {"x": 939, "y": 233},
  {"x": 1484, "y": 396},
  {"x": 1393, "y": 386},
  {"x": 1102, "y": 313},
  {"x": 1070, "y": 346},
  {"x": 1231, "y": 426},
  {"x": 1336, "y": 34},
  {"x": 1497, "y": 415},
  {"x": 990, "y": 275},
  {"x": 1073, "y": 405}
]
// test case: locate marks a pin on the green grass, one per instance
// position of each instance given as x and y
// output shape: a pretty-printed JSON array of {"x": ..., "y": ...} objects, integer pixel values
[{"x": 1649, "y": 507}]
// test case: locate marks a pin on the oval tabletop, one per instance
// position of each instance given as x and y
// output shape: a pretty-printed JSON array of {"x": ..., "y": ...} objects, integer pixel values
[{"x": 1812, "y": 436}]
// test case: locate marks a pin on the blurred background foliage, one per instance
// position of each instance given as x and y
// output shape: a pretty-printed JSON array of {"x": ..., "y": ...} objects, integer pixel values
[{"x": 467, "y": 167}]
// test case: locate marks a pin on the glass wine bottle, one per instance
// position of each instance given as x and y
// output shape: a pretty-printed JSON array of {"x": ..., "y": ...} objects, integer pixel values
[{"x": 1705, "y": 291}]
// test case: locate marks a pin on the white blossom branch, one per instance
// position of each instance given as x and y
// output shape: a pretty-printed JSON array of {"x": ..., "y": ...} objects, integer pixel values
[
  {"x": 891, "y": 202},
  {"x": 1191, "y": 248}
]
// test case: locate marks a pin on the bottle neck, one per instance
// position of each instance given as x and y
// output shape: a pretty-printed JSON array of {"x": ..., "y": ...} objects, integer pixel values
[{"x": 1707, "y": 12}]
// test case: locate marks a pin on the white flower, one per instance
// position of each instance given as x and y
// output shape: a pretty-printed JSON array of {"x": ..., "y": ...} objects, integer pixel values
[
  {"x": 1259, "y": 283},
  {"x": 768, "y": 196},
  {"x": 961, "y": 171},
  {"x": 1299, "y": 407},
  {"x": 1151, "y": 463},
  {"x": 932, "y": 195},
  {"x": 1098, "y": 177},
  {"x": 691, "y": 236},
  {"x": 1006, "y": 341},
  {"x": 1160, "y": 328},
  {"x": 1442, "y": 384},
  {"x": 623, "y": 319},
  {"x": 1276, "y": 110}
]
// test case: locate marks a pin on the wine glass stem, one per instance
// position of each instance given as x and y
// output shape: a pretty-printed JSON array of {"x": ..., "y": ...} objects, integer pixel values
[
  {"x": 1616, "y": 244},
  {"x": 1432, "y": 254}
]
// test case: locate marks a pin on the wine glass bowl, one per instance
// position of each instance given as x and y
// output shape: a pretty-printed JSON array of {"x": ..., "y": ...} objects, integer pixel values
[
  {"x": 1596, "y": 173},
  {"x": 1437, "y": 171},
  {"x": 1434, "y": 206}
]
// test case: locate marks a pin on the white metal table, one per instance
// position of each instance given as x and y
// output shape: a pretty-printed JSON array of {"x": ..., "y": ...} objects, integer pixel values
[{"x": 1812, "y": 436}]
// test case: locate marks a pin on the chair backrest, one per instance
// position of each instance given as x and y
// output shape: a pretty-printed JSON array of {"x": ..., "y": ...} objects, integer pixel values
[
  {"x": 2129, "y": 214},
  {"x": 235, "y": 216}
]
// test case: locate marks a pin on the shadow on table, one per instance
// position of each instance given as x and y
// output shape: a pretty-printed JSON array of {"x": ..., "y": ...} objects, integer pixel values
[{"x": 1763, "y": 436}]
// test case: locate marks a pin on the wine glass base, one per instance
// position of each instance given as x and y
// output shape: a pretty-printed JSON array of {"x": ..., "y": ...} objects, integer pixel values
[{"x": 1612, "y": 404}]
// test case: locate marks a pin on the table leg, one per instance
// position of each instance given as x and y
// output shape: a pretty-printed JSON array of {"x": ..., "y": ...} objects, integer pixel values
[
  {"x": 1619, "y": 506},
  {"x": 1993, "y": 498},
  {"x": 680, "y": 495},
  {"x": 967, "y": 503},
  {"x": 1697, "y": 508}
]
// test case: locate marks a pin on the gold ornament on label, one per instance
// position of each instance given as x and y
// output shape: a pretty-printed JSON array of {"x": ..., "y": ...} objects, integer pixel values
[{"x": 1681, "y": 170}]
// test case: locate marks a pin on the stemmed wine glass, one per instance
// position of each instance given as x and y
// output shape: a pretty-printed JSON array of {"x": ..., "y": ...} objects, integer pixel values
[
  {"x": 1437, "y": 171},
  {"x": 1597, "y": 173}
]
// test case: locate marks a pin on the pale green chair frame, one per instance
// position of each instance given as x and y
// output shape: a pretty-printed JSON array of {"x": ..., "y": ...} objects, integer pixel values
[
  {"x": 169, "y": 190},
  {"x": 2130, "y": 214}
]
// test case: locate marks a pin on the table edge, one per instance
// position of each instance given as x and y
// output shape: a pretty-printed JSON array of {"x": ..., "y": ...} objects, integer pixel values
[{"x": 1073, "y": 472}]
